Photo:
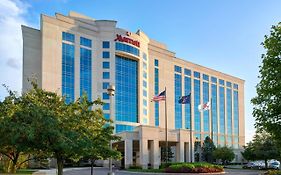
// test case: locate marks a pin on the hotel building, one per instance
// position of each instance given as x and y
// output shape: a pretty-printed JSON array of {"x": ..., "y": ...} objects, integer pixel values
[{"x": 75, "y": 54}]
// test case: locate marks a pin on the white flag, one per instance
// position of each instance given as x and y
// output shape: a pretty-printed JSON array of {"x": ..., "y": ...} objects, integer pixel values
[{"x": 204, "y": 107}]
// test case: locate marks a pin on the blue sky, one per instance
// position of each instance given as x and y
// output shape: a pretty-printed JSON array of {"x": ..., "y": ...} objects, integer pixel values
[{"x": 223, "y": 35}]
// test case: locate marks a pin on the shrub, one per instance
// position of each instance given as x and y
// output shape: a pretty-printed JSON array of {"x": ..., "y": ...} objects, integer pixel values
[
  {"x": 193, "y": 168},
  {"x": 135, "y": 167},
  {"x": 273, "y": 172}
]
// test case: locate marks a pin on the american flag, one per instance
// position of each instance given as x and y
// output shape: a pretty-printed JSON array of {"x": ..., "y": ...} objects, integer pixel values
[{"x": 160, "y": 97}]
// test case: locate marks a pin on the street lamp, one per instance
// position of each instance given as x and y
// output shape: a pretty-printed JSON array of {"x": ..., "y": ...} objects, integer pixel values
[{"x": 110, "y": 92}]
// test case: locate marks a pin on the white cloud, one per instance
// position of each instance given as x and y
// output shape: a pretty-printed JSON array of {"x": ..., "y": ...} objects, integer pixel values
[{"x": 11, "y": 18}]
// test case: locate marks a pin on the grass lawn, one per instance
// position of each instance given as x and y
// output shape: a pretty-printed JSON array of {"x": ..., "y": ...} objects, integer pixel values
[{"x": 22, "y": 172}]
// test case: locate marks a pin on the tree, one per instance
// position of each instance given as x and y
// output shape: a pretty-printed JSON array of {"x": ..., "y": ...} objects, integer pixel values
[
  {"x": 225, "y": 154},
  {"x": 41, "y": 121},
  {"x": 15, "y": 136},
  {"x": 267, "y": 106},
  {"x": 263, "y": 147},
  {"x": 207, "y": 150},
  {"x": 163, "y": 154}
]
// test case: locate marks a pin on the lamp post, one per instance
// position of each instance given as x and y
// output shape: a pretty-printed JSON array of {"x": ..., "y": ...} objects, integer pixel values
[{"x": 110, "y": 92}]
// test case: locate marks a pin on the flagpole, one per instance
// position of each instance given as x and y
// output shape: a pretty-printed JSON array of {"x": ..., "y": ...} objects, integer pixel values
[
  {"x": 166, "y": 127},
  {"x": 212, "y": 130},
  {"x": 190, "y": 131}
]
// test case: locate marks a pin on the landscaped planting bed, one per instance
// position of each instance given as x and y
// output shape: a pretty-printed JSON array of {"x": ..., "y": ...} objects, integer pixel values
[{"x": 193, "y": 168}]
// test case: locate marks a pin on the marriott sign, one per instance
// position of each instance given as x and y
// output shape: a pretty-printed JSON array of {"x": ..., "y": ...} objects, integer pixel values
[{"x": 127, "y": 40}]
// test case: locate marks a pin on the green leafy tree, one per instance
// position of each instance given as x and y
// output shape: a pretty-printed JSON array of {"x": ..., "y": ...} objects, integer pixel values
[
  {"x": 263, "y": 147},
  {"x": 15, "y": 135},
  {"x": 224, "y": 154},
  {"x": 207, "y": 150},
  {"x": 163, "y": 154},
  {"x": 267, "y": 106}
]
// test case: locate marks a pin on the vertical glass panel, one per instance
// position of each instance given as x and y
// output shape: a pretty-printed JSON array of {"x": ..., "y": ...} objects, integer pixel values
[
  {"x": 214, "y": 108},
  {"x": 68, "y": 72},
  {"x": 222, "y": 110},
  {"x": 156, "y": 91},
  {"x": 68, "y": 37},
  {"x": 156, "y": 63},
  {"x": 196, "y": 74},
  {"x": 178, "y": 69},
  {"x": 236, "y": 113},
  {"x": 126, "y": 98},
  {"x": 205, "y": 77},
  {"x": 85, "y": 42},
  {"x": 178, "y": 107},
  {"x": 187, "y": 72},
  {"x": 206, "y": 100},
  {"x": 197, "y": 101},
  {"x": 214, "y": 79},
  {"x": 86, "y": 72},
  {"x": 229, "y": 111},
  {"x": 187, "y": 90}
]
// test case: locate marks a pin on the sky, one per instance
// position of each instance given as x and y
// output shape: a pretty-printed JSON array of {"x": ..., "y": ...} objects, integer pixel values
[{"x": 222, "y": 35}]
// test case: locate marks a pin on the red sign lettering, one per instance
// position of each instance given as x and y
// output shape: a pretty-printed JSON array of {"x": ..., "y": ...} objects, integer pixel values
[{"x": 127, "y": 40}]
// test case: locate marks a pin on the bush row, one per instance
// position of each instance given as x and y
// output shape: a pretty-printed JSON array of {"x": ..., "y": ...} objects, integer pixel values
[{"x": 193, "y": 168}]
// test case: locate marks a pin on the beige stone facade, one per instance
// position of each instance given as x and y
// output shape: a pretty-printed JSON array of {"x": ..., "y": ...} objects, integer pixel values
[{"x": 42, "y": 59}]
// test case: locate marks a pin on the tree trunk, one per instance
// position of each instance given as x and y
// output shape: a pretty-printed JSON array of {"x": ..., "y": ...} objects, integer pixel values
[
  {"x": 13, "y": 168},
  {"x": 92, "y": 167},
  {"x": 60, "y": 164},
  {"x": 265, "y": 163}
]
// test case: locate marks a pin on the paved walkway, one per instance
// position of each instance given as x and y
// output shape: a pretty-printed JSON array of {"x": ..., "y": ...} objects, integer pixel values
[{"x": 104, "y": 171}]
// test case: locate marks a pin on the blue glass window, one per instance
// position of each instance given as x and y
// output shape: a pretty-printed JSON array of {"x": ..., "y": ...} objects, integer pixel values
[
  {"x": 178, "y": 106},
  {"x": 187, "y": 72},
  {"x": 221, "y": 82},
  {"x": 236, "y": 113},
  {"x": 222, "y": 140},
  {"x": 205, "y": 100},
  {"x": 85, "y": 42},
  {"x": 106, "y": 106},
  {"x": 187, "y": 90},
  {"x": 229, "y": 141},
  {"x": 197, "y": 102},
  {"x": 196, "y": 74},
  {"x": 178, "y": 69},
  {"x": 235, "y": 86},
  {"x": 68, "y": 37},
  {"x": 126, "y": 98},
  {"x": 205, "y": 77},
  {"x": 144, "y": 111},
  {"x": 86, "y": 72},
  {"x": 68, "y": 72},
  {"x": 156, "y": 92},
  {"x": 144, "y": 75},
  {"x": 105, "y": 96},
  {"x": 105, "y": 65},
  {"x": 144, "y": 102},
  {"x": 144, "y": 65},
  {"x": 222, "y": 110},
  {"x": 127, "y": 48},
  {"x": 144, "y": 84},
  {"x": 144, "y": 93},
  {"x": 106, "y": 44},
  {"x": 144, "y": 56},
  {"x": 156, "y": 63},
  {"x": 214, "y": 79},
  {"x": 214, "y": 108},
  {"x": 105, "y": 54},
  {"x": 105, "y": 75},
  {"x": 105, "y": 85},
  {"x": 122, "y": 128},
  {"x": 106, "y": 116},
  {"x": 229, "y": 111},
  {"x": 228, "y": 84}
]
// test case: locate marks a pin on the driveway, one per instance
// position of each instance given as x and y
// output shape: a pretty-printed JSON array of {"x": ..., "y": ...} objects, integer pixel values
[{"x": 104, "y": 171}]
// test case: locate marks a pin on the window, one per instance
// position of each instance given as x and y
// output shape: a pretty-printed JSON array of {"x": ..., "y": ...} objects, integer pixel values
[
  {"x": 126, "y": 97},
  {"x": 106, "y": 106},
  {"x": 68, "y": 72},
  {"x": 106, "y": 65},
  {"x": 144, "y": 75},
  {"x": 156, "y": 63},
  {"x": 214, "y": 79},
  {"x": 144, "y": 93},
  {"x": 85, "y": 42},
  {"x": 105, "y": 75},
  {"x": 187, "y": 72},
  {"x": 197, "y": 102},
  {"x": 187, "y": 90},
  {"x": 106, "y": 44},
  {"x": 205, "y": 100},
  {"x": 144, "y": 111},
  {"x": 235, "y": 86},
  {"x": 228, "y": 84},
  {"x": 105, "y": 85},
  {"x": 68, "y": 37},
  {"x": 106, "y": 116},
  {"x": 221, "y": 82},
  {"x": 156, "y": 91},
  {"x": 196, "y": 74},
  {"x": 214, "y": 108},
  {"x": 144, "y": 102},
  {"x": 121, "y": 128},
  {"x": 178, "y": 69},
  {"x": 144, "y": 84},
  {"x": 86, "y": 72},
  {"x": 105, "y": 54},
  {"x": 144, "y": 56},
  {"x": 127, "y": 48},
  {"x": 205, "y": 77},
  {"x": 105, "y": 96},
  {"x": 222, "y": 109},
  {"x": 144, "y": 66},
  {"x": 178, "y": 106},
  {"x": 229, "y": 110}
]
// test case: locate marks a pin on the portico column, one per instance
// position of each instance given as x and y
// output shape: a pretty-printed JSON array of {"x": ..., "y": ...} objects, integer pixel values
[
  {"x": 128, "y": 153},
  {"x": 143, "y": 153},
  {"x": 180, "y": 152},
  {"x": 155, "y": 151}
]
